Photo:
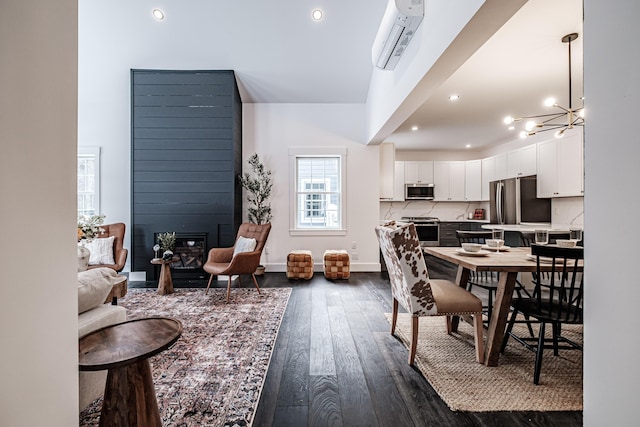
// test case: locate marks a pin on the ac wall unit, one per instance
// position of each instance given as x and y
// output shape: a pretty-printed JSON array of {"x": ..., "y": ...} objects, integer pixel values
[{"x": 400, "y": 22}]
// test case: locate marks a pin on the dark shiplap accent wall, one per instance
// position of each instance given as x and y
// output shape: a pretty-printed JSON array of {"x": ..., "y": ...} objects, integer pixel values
[{"x": 186, "y": 152}]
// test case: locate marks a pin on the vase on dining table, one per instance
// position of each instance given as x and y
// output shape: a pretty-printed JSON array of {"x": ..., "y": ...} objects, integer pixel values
[{"x": 83, "y": 257}]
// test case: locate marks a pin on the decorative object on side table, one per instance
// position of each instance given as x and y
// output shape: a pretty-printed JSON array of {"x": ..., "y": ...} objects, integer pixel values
[
  {"x": 259, "y": 188},
  {"x": 156, "y": 248},
  {"x": 167, "y": 241}
]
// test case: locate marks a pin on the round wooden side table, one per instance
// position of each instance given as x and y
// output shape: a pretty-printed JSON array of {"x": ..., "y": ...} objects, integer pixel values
[
  {"x": 165, "y": 282},
  {"x": 124, "y": 349}
]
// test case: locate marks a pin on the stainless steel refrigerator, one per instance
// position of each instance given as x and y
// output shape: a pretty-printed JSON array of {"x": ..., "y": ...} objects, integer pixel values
[{"x": 515, "y": 201}]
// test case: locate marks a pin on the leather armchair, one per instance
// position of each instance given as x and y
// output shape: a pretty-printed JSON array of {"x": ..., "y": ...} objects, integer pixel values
[
  {"x": 221, "y": 261},
  {"x": 119, "y": 252}
]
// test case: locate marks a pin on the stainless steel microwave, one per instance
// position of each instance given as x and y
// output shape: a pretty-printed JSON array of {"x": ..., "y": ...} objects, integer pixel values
[{"x": 418, "y": 191}]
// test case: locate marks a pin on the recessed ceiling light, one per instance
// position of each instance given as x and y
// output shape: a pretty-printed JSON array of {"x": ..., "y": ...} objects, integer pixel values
[
  {"x": 317, "y": 15},
  {"x": 158, "y": 14},
  {"x": 511, "y": 127},
  {"x": 468, "y": 146},
  {"x": 414, "y": 127},
  {"x": 454, "y": 97}
]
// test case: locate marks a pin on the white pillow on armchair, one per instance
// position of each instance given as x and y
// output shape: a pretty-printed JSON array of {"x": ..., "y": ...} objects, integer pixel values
[
  {"x": 244, "y": 244},
  {"x": 101, "y": 251}
]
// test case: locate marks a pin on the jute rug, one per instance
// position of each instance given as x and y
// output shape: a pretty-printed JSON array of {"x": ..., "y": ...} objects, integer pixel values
[
  {"x": 448, "y": 363},
  {"x": 214, "y": 374}
]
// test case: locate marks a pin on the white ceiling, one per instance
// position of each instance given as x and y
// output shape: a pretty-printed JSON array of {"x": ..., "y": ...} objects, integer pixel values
[
  {"x": 524, "y": 63},
  {"x": 280, "y": 55}
]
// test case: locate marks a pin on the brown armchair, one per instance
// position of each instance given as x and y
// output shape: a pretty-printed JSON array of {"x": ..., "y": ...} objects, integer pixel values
[
  {"x": 222, "y": 261},
  {"x": 119, "y": 252}
]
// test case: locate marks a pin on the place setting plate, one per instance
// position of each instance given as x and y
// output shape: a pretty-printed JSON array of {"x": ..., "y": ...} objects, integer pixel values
[
  {"x": 503, "y": 248},
  {"x": 467, "y": 253},
  {"x": 544, "y": 260}
]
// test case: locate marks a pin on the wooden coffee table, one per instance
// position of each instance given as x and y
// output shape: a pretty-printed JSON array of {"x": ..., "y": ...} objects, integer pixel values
[
  {"x": 165, "y": 283},
  {"x": 124, "y": 349}
]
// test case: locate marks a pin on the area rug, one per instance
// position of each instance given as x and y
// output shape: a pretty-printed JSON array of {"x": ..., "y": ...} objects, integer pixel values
[
  {"x": 448, "y": 363},
  {"x": 214, "y": 374}
]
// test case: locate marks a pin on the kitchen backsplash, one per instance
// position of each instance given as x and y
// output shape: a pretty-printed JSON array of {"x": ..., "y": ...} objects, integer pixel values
[
  {"x": 565, "y": 212},
  {"x": 445, "y": 211}
]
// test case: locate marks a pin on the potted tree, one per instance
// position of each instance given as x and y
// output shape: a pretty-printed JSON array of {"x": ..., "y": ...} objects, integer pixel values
[{"x": 258, "y": 185}]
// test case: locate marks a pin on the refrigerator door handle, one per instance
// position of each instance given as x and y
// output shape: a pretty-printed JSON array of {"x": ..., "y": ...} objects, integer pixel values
[{"x": 500, "y": 201}]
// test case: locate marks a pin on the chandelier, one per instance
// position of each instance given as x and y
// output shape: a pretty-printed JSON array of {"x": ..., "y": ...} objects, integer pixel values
[{"x": 559, "y": 121}]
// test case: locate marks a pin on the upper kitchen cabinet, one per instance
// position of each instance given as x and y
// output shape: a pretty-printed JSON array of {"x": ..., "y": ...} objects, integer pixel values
[
  {"x": 449, "y": 181},
  {"x": 500, "y": 167},
  {"x": 488, "y": 174},
  {"x": 473, "y": 180},
  {"x": 560, "y": 167},
  {"x": 398, "y": 182},
  {"x": 418, "y": 172},
  {"x": 522, "y": 162},
  {"x": 387, "y": 170}
]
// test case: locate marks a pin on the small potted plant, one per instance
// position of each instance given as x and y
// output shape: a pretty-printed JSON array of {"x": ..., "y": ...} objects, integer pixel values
[
  {"x": 258, "y": 185},
  {"x": 167, "y": 242}
]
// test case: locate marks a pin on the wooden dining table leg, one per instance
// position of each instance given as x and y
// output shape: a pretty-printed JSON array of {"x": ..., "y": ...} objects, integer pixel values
[
  {"x": 499, "y": 314},
  {"x": 462, "y": 277}
]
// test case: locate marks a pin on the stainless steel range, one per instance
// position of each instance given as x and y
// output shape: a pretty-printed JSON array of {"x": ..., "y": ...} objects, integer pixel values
[{"x": 427, "y": 227}]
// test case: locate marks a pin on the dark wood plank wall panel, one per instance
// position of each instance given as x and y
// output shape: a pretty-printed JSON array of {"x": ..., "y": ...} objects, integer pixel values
[{"x": 186, "y": 131}]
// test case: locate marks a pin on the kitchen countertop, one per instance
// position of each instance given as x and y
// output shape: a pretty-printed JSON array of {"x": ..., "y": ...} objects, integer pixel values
[
  {"x": 485, "y": 221},
  {"x": 520, "y": 227}
]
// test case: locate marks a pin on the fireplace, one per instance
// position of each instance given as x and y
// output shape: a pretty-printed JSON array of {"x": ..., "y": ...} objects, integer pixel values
[{"x": 189, "y": 255}]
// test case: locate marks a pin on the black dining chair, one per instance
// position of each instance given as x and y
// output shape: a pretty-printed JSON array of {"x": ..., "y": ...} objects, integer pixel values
[{"x": 560, "y": 302}]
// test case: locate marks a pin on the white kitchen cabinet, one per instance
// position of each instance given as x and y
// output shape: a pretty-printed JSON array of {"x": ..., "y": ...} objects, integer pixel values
[
  {"x": 522, "y": 162},
  {"x": 387, "y": 164},
  {"x": 488, "y": 175},
  {"x": 560, "y": 167},
  {"x": 473, "y": 180},
  {"x": 418, "y": 171},
  {"x": 449, "y": 181},
  {"x": 501, "y": 166},
  {"x": 398, "y": 182}
]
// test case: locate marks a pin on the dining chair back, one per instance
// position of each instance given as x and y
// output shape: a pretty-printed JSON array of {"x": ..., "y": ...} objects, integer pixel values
[
  {"x": 416, "y": 292},
  {"x": 557, "y": 300}
]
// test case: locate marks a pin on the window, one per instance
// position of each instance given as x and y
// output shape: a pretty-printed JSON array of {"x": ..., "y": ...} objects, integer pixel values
[
  {"x": 318, "y": 190},
  {"x": 88, "y": 180}
]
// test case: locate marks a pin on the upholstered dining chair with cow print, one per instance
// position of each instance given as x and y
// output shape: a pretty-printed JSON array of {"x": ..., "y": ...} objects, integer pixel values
[{"x": 419, "y": 295}]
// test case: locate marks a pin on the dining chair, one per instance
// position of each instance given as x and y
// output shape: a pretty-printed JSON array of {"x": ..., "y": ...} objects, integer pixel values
[
  {"x": 486, "y": 280},
  {"x": 418, "y": 294},
  {"x": 241, "y": 258},
  {"x": 561, "y": 303}
]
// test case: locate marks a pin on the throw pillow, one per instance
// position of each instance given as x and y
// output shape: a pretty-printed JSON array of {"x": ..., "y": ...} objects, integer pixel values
[
  {"x": 94, "y": 286},
  {"x": 244, "y": 244},
  {"x": 101, "y": 251}
]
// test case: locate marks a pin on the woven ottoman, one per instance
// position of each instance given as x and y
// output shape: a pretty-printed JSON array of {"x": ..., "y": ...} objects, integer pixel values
[
  {"x": 300, "y": 265},
  {"x": 336, "y": 264}
]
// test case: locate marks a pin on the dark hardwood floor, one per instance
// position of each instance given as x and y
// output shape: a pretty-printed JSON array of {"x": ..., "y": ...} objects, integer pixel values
[{"x": 336, "y": 364}]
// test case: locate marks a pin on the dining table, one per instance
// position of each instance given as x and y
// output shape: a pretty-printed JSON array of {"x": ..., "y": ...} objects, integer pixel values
[{"x": 508, "y": 262}]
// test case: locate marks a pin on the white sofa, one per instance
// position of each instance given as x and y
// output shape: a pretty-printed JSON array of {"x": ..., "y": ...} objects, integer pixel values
[{"x": 93, "y": 288}]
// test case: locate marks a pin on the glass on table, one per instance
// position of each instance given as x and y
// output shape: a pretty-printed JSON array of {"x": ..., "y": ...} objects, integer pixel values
[
  {"x": 575, "y": 234},
  {"x": 497, "y": 234},
  {"x": 541, "y": 237}
]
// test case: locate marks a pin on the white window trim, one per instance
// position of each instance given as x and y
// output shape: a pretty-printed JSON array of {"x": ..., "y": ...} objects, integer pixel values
[
  {"x": 295, "y": 152},
  {"x": 93, "y": 151}
]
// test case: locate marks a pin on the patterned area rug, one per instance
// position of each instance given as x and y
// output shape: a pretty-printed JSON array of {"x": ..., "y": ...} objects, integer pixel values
[
  {"x": 214, "y": 374},
  {"x": 448, "y": 363}
]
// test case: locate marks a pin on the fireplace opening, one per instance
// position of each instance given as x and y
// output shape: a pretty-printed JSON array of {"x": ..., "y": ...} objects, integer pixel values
[{"x": 189, "y": 256}]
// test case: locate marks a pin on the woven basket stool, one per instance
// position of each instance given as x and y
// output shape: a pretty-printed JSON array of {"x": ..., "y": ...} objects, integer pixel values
[
  {"x": 336, "y": 264},
  {"x": 300, "y": 265}
]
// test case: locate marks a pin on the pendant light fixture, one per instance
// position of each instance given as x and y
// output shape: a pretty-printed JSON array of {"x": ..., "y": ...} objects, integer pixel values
[{"x": 558, "y": 121}]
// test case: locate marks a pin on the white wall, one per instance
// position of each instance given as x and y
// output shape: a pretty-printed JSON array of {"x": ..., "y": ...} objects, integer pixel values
[
  {"x": 270, "y": 129},
  {"x": 611, "y": 88},
  {"x": 39, "y": 334}
]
